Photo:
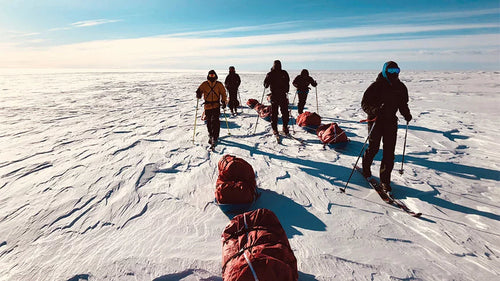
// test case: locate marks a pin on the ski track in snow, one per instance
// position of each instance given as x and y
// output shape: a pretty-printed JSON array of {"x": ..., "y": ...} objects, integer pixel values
[{"x": 100, "y": 180}]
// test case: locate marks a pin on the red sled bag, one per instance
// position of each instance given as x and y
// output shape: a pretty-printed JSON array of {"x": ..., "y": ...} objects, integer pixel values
[
  {"x": 309, "y": 119},
  {"x": 252, "y": 103},
  {"x": 331, "y": 133},
  {"x": 255, "y": 247},
  {"x": 265, "y": 112},
  {"x": 236, "y": 182}
]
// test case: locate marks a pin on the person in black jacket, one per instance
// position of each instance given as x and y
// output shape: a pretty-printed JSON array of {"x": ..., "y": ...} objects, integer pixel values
[
  {"x": 279, "y": 81},
  {"x": 232, "y": 83},
  {"x": 302, "y": 82},
  {"x": 382, "y": 100}
]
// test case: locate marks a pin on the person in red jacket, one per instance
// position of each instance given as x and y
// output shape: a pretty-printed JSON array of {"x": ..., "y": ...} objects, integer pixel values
[
  {"x": 382, "y": 100},
  {"x": 302, "y": 82},
  {"x": 214, "y": 94}
]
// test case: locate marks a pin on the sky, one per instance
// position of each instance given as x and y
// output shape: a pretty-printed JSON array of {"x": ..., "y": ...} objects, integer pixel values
[{"x": 193, "y": 34}]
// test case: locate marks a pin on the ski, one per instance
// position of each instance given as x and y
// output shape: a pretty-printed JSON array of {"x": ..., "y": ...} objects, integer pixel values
[
  {"x": 387, "y": 197},
  {"x": 290, "y": 136},
  {"x": 278, "y": 139}
]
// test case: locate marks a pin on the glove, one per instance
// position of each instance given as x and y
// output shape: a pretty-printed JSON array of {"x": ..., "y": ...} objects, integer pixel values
[
  {"x": 223, "y": 105},
  {"x": 408, "y": 117},
  {"x": 198, "y": 94}
]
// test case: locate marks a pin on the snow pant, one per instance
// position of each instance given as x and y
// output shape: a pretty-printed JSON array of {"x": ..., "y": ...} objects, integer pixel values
[
  {"x": 302, "y": 100},
  {"x": 387, "y": 133},
  {"x": 213, "y": 122},
  {"x": 233, "y": 99},
  {"x": 283, "y": 105}
]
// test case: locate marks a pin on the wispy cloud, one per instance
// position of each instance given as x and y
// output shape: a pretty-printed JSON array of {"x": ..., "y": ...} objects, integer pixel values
[
  {"x": 322, "y": 35},
  {"x": 416, "y": 18},
  {"x": 87, "y": 23},
  {"x": 17, "y": 34},
  {"x": 449, "y": 15},
  {"x": 218, "y": 52},
  {"x": 256, "y": 46},
  {"x": 60, "y": 28},
  {"x": 241, "y": 29}
]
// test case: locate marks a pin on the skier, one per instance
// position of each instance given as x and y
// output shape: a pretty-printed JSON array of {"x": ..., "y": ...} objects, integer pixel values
[
  {"x": 302, "y": 82},
  {"x": 232, "y": 82},
  {"x": 279, "y": 81},
  {"x": 214, "y": 94},
  {"x": 382, "y": 100}
]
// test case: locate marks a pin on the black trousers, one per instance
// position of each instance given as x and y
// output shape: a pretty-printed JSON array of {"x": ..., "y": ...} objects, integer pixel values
[
  {"x": 213, "y": 122},
  {"x": 302, "y": 101},
  {"x": 233, "y": 99},
  {"x": 387, "y": 133},
  {"x": 282, "y": 104}
]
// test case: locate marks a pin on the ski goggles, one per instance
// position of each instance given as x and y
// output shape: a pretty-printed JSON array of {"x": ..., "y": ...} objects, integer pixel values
[
  {"x": 211, "y": 75},
  {"x": 393, "y": 70}
]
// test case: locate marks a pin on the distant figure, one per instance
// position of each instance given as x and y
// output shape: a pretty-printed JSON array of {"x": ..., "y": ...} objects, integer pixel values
[
  {"x": 214, "y": 94},
  {"x": 302, "y": 82},
  {"x": 279, "y": 81},
  {"x": 383, "y": 99},
  {"x": 232, "y": 83}
]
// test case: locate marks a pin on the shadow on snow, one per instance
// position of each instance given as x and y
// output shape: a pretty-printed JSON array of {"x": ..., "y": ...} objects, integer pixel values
[{"x": 331, "y": 172}]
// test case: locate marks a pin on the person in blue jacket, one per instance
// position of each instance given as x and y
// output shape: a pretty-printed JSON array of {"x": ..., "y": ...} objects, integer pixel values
[{"x": 382, "y": 99}]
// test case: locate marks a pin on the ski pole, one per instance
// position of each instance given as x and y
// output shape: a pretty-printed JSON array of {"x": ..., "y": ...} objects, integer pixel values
[
  {"x": 290, "y": 112},
  {"x": 261, "y": 101},
  {"x": 239, "y": 97},
  {"x": 361, "y": 152},
  {"x": 227, "y": 124},
  {"x": 317, "y": 106},
  {"x": 195, "y": 117},
  {"x": 401, "y": 171}
]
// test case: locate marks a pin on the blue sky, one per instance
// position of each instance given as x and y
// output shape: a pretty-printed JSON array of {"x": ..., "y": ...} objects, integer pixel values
[{"x": 192, "y": 34}]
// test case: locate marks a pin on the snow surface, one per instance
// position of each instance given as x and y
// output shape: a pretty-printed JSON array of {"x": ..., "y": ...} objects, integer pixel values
[{"x": 100, "y": 179}]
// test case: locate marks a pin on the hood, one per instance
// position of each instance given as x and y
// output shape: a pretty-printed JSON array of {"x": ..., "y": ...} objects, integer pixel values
[
  {"x": 212, "y": 76},
  {"x": 232, "y": 70},
  {"x": 276, "y": 65},
  {"x": 391, "y": 77},
  {"x": 304, "y": 72}
]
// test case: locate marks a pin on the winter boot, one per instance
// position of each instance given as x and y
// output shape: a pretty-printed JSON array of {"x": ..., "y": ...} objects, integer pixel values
[
  {"x": 285, "y": 130},
  {"x": 386, "y": 187}
]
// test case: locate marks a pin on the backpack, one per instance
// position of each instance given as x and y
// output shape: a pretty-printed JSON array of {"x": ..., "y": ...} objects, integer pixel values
[
  {"x": 255, "y": 247},
  {"x": 331, "y": 133}
]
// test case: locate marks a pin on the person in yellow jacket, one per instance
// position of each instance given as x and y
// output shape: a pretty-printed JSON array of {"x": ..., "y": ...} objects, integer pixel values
[{"x": 214, "y": 94}]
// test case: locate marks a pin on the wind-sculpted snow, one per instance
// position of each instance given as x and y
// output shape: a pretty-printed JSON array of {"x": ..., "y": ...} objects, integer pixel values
[{"x": 100, "y": 179}]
